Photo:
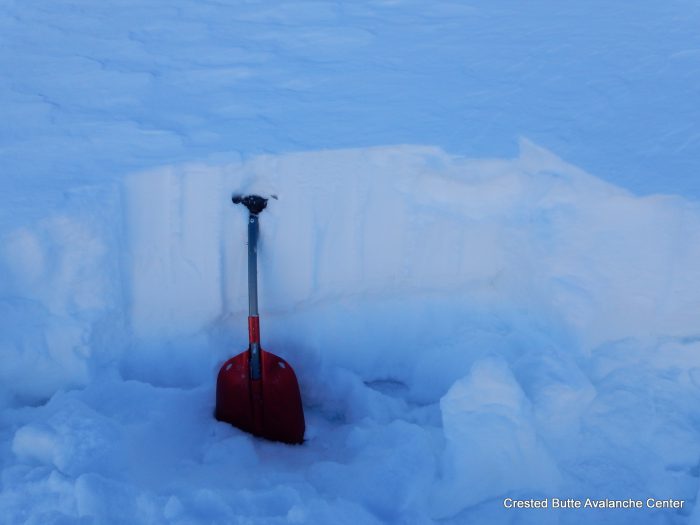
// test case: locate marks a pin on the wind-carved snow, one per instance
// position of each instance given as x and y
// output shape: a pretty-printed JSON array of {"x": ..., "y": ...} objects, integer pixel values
[{"x": 463, "y": 330}]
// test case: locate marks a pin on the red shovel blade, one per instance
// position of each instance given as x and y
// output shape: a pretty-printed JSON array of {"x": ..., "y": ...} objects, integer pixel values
[{"x": 269, "y": 407}]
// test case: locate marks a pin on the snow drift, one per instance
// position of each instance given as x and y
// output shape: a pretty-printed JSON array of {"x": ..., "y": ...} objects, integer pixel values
[{"x": 462, "y": 329}]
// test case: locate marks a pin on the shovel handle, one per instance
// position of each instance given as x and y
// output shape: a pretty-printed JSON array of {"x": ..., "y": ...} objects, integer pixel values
[
  {"x": 253, "y": 232},
  {"x": 253, "y": 321},
  {"x": 255, "y": 204}
]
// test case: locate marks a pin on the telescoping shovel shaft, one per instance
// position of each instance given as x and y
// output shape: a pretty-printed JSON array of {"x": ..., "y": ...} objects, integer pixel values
[
  {"x": 256, "y": 390},
  {"x": 253, "y": 318}
]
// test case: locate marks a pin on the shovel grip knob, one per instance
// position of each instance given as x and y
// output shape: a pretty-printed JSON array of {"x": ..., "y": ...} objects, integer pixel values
[{"x": 254, "y": 203}]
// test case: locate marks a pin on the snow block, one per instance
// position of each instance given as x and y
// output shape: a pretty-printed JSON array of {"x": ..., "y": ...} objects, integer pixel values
[{"x": 492, "y": 447}]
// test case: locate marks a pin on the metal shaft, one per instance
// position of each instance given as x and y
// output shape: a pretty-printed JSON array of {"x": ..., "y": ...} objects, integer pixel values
[
  {"x": 253, "y": 266},
  {"x": 253, "y": 326}
]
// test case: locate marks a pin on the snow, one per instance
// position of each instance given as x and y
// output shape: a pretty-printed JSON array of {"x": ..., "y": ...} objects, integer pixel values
[
  {"x": 492, "y": 444},
  {"x": 462, "y": 329},
  {"x": 468, "y": 321}
]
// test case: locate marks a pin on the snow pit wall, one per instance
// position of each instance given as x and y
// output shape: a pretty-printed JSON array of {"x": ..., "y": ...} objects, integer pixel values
[
  {"x": 375, "y": 259},
  {"x": 394, "y": 262}
]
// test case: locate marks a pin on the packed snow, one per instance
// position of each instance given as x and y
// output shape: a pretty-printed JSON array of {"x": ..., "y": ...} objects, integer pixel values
[
  {"x": 463, "y": 330},
  {"x": 469, "y": 323}
]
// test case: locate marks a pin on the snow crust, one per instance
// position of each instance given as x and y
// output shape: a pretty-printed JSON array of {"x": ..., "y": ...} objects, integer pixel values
[{"x": 463, "y": 330}]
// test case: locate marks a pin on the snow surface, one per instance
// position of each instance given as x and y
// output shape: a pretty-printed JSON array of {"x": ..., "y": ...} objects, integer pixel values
[
  {"x": 462, "y": 330},
  {"x": 467, "y": 322},
  {"x": 98, "y": 88}
]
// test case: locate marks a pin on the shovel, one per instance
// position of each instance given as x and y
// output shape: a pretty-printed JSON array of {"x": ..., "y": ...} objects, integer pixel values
[{"x": 256, "y": 390}]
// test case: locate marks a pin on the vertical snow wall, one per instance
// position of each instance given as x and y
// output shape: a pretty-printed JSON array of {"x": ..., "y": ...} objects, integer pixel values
[{"x": 396, "y": 262}]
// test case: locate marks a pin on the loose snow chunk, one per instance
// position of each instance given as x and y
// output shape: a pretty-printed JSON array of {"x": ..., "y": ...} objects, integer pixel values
[
  {"x": 492, "y": 446},
  {"x": 391, "y": 485},
  {"x": 109, "y": 501},
  {"x": 74, "y": 439},
  {"x": 35, "y": 442}
]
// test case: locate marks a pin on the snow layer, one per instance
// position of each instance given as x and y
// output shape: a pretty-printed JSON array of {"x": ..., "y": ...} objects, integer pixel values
[{"x": 463, "y": 330}]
